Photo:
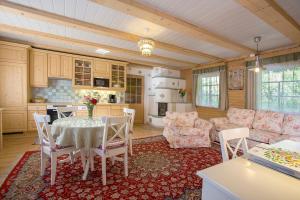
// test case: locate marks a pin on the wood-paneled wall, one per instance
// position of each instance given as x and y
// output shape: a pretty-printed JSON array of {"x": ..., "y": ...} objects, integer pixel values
[
  {"x": 236, "y": 98},
  {"x": 187, "y": 75}
]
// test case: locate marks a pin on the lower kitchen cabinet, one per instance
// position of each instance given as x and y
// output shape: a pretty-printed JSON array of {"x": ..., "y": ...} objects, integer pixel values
[
  {"x": 117, "y": 110},
  {"x": 14, "y": 121},
  {"x": 100, "y": 110},
  {"x": 104, "y": 110}
]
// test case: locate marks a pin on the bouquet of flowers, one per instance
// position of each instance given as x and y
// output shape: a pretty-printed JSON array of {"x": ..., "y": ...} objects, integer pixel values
[
  {"x": 182, "y": 92},
  {"x": 90, "y": 102}
]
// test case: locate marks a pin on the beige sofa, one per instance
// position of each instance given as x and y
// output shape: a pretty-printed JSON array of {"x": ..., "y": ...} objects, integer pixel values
[{"x": 265, "y": 126}]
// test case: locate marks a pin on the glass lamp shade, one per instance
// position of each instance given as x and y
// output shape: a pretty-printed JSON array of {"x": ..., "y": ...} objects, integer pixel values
[
  {"x": 258, "y": 65},
  {"x": 146, "y": 46}
]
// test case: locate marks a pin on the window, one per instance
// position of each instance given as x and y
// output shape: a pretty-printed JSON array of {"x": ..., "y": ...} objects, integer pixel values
[
  {"x": 279, "y": 89},
  {"x": 208, "y": 90}
]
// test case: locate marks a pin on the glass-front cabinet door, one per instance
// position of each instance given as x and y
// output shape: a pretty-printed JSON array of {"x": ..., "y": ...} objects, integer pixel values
[
  {"x": 118, "y": 76},
  {"x": 82, "y": 73}
]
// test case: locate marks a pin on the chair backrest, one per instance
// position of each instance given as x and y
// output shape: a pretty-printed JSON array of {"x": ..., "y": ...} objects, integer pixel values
[
  {"x": 43, "y": 129},
  {"x": 131, "y": 114},
  {"x": 239, "y": 134},
  {"x": 61, "y": 111},
  {"x": 119, "y": 130}
]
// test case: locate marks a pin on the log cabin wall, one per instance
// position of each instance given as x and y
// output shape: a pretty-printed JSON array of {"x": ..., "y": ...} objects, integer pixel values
[{"x": 236, "y": 98}]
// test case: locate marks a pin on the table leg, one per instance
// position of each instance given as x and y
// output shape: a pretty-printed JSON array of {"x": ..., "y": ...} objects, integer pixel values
[{"x": 86, "y": 156}]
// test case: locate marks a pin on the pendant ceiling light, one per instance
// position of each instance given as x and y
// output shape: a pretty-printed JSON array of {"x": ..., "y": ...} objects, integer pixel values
[
  {"x": 146, "y": 46},
  {"x": 258, "y": 65}
]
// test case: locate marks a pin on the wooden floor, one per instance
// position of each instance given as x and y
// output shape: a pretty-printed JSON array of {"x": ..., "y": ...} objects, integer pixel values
[{"x": 14, "y": 146}]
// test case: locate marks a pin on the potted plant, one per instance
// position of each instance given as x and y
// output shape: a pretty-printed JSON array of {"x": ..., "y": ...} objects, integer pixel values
[
  {"x": 182, "y": 93},
  {"x": 90, "y": 102}
]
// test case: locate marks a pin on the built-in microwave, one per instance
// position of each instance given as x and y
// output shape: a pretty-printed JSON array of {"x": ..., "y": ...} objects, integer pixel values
[{"x": 101, "y": 82}]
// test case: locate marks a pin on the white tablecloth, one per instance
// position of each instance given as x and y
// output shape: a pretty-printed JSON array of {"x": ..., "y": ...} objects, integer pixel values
[{"x": 80, "y": 132}]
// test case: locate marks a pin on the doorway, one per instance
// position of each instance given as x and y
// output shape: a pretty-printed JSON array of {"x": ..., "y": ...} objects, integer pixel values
[{"x": 134, "y": 96}]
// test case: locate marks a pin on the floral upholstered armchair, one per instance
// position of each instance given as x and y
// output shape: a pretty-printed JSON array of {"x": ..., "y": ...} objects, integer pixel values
[{"x": 186, "y": 130}]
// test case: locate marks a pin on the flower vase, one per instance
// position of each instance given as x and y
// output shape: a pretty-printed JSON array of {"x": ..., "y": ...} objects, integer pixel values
[{"x": 90, "y": 111}]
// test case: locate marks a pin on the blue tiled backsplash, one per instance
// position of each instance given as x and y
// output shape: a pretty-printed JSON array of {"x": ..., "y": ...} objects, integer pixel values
[{"x": 62, "y": 91}]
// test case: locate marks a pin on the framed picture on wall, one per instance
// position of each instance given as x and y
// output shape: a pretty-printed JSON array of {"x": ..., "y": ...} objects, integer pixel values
[{"x": 236, "y": 79}]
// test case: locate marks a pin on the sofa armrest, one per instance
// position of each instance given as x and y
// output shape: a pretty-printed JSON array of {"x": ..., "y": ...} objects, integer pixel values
[
  {"x": 219, "y": 120},
  {"x": 168, "y": 122},
  {"x": 203, "y": 124}
]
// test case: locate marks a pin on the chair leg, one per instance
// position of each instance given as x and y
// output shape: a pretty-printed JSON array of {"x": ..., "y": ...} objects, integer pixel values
[
  {"x": 53, "y": 168},
  {"x": 126, "y": 162},
  {"x": 130, "y": 144},
  {"x": 103, "y": 160},
  {"x": 43, "y": 163}
]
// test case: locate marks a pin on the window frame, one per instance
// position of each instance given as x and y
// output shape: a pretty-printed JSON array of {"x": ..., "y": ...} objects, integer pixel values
[
  {"x": 281, "y": 94},
  {"x": 210, "y": 94}
]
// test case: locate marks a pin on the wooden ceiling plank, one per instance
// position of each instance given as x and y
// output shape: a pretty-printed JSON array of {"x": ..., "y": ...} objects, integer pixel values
[
  {"x": 9, "y": 28},
  {"x": 270, "y": 12},
  {"x": 133, "y": 8},
  {"x": 58, "y": 19}
]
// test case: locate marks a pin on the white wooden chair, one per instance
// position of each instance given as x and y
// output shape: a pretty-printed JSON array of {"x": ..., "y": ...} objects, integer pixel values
[
  {"x": 48, "y": 146},
  {"x": 131, "y": 114},
  {"x": 61, "y": 111},
  {"x": 116, "y": 145},
  {"x": 233, "y": 134}
]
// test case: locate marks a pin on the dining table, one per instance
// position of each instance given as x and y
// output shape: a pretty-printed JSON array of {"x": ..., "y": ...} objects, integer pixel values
[
  {"x": 243, "y": 179},
  {"x": 83, "y": 133}
]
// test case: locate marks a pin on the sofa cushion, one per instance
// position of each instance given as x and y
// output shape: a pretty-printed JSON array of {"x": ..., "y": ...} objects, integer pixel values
[
  {"x": 263, "y": 136},
  {"x": 190, "y": 131},
  {"x": 186, "y": 119},
  {"x": 291, "y": 125},
  {"x": 241, "y": 117},
  {"x": 268, "y": 121}
]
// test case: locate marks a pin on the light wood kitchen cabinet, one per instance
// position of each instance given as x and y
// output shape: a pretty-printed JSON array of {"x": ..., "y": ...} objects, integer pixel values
[
  {"x": 11, "y": 52},
  {"x": 101, "y": 68},
  {"x": 83, "y": 75},
  {"x": 14, "y": 121},
  {"x": 13, "y": 86},
  {"x": 38, "y": 69},
  {"x": 39, "y": 109},
  {"x": 59, "y": 66},
  {"x": 118, "y": 76},
  {"x": 66, "y": 67},
  {"x": 117, "y": 110},
  {"x": 102, "y": 110},
  {"x": 53, "y": 65}
]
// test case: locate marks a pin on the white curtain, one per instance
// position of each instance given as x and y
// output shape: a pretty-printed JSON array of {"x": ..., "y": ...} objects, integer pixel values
[{"x": 223, "y": 100}]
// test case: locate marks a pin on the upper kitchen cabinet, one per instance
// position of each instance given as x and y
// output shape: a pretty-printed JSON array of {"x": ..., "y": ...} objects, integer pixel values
[
  {"x": 9, "y": 52},
  {"x": 102, "y": 68},
  {"x": 66, "y": 67},
  {"x": 38, "y": 68},
  {"x": 53, "y": 65},
  {"x": 59, "y": 66},
  {"x": 82, "y": 73},
  {"x": 118, "y": 76}
]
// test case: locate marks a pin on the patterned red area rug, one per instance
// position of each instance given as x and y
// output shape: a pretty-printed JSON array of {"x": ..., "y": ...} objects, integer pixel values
[{"x": 155, "y": 172}]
